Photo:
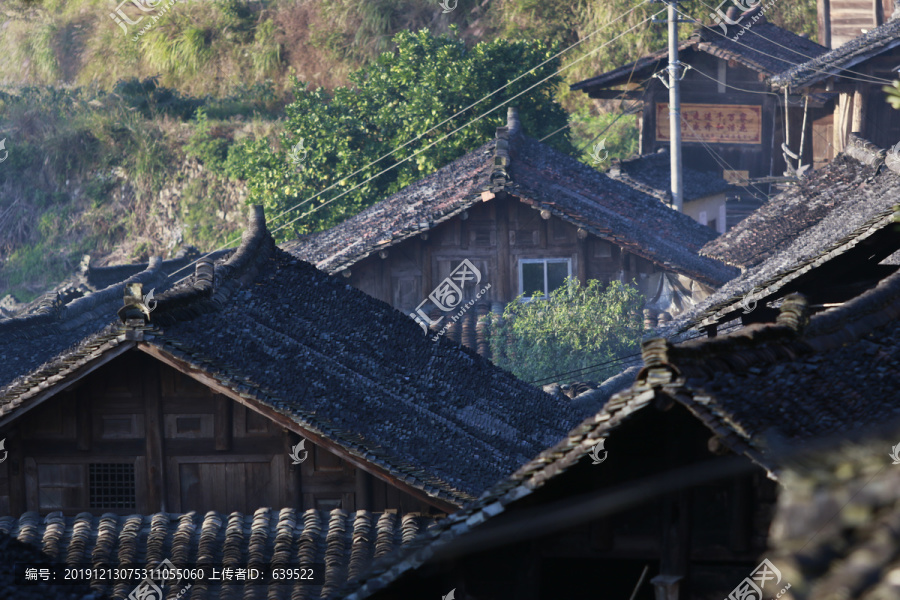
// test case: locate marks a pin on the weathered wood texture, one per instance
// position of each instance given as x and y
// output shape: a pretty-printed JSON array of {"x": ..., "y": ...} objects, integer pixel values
[{"x": 139, "y": 436}]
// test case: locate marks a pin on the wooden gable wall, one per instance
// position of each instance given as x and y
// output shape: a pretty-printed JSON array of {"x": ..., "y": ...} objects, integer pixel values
[
  {"x": 495, "y": 236},
  {"x": 139, "y": 436}
]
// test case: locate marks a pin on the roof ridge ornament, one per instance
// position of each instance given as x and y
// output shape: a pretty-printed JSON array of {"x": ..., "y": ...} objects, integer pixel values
[
  {"x": 136, "y": 305},
  {"x": 513, "y": 124}
]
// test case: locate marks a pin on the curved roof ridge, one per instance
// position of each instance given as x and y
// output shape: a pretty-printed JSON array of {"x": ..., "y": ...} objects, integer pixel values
[{"x": 79, "y": 311}]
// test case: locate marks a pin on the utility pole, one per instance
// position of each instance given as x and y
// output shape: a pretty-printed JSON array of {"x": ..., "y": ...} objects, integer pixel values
[{"x": 674, "y": 108}]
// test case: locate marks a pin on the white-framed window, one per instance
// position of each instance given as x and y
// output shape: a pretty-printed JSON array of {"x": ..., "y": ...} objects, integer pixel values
[{"x": 543, "y": 274}]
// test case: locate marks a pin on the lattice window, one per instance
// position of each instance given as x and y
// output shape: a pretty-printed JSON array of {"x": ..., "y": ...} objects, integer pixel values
[{"x": 111, "y": 485}]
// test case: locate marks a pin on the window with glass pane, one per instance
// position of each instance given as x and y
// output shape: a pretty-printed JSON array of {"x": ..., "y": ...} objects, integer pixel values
[
  {"x": 556, "y": 274},
  {"x": 533, "y": 277},
  {"x": 543, "y": 275}
]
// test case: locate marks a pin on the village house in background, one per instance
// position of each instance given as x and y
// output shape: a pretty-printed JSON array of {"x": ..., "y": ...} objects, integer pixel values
[
  {"x": 201, "y": 408},
  {"x": 705, "y": 193},
  {"x": 686, "y": 486},
  {"x": 731, "y": 125},
  {"x": 526, "y": 217},
  {"x": 842, "y": 21},
  {"x": 831, "y": 237},
  {"x": 853, "y": 75}
]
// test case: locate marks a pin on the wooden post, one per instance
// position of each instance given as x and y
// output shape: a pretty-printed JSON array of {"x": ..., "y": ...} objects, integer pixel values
[
  {"x": 363, "y": 490},
  {"x": 223, "y": 424},
  {"x": 860, "y": 94},
  {"x": 504, "y": 282},
  {"x": 581, "y": 257},
  {"x": 842, "y": 115},
  {"x": 16, "y": 469},
  {"x": 153, "y": 436},
  {"x": 83, "y": 419}
]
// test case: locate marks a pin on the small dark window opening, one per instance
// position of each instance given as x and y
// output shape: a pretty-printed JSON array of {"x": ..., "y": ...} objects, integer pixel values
[
  {"x": 327, "y": 503},
  {"x": 187, "y": 424},
  {"x": 111, "y": 485}
]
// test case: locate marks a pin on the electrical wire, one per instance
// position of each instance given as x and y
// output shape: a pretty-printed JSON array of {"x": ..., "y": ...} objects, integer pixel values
[
  {"x": 771, "y": 41},
  {"x": 779, "y": 58},
  {"x": 337, "y": 180}
]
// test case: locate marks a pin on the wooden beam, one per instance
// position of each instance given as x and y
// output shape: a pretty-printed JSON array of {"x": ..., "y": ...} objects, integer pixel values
[
  {"x": 616, "y": 94},
  {"x": 83, "y": 420},
  {"x": 69, "y": 380},
  {"x": 503, "y": 252},
  {"x": 288, "y": 423},
  {"x": 860, "y": 98},
  {"x": 16, "y": 468},
  {"x": 153, "y": 438},
  {"x": 223, "y": 424}
]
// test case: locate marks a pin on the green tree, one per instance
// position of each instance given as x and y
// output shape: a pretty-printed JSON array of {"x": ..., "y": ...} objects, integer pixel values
[
  {"x": 576, "y": 327},
  {"x": 893, "y": 94},
  {"x": 402, "y": 95}
]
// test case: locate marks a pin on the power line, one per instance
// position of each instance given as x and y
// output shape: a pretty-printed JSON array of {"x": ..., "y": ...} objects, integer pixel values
[
  {"x": 779, "y": 58},
  {"x": 324, "y": 204},
  {"x": 771, "y": 41},
  {"x": 337, "y": 180}
]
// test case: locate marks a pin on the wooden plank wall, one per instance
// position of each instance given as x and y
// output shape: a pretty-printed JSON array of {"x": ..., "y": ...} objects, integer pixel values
[{"x": 190, "y": 449}]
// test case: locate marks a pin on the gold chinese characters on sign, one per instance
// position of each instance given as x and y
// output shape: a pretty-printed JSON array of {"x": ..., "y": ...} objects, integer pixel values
[{"x": 713, "y": 123}]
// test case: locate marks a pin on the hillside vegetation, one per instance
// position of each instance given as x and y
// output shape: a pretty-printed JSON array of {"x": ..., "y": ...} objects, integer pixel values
[{"x": 119, "y": 142}]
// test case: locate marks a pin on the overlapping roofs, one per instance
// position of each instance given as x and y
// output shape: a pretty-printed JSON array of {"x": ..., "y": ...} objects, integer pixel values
[
  {"x": 771, "y": 383},
  {"x": 848, "y": 55},
  {"x": 651, "y": 174},
  {"x": 757, "y": 390},
  {"x": 764, "y": 48},
  {"x": 829, "y": 212},
  {"x": 539, "y": 176},
  {"x": 334, "y": 363},
  {"x": 342, "y": 544}
]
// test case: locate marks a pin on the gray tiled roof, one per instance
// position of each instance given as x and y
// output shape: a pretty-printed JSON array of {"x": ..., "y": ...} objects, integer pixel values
[
  {"x": 834, "y": 533},
  {"x": 829, "y": 212},
  {"x": 330, "y": 359},
  {"x": 766, "y": 49},
  {"x": 756, "y": 389},
  {"x": 344, "y": 544},
  {"x": 651, "y": 174},
  {"x": 873, "y": 42},
  {"x": 539, "y": 176}
]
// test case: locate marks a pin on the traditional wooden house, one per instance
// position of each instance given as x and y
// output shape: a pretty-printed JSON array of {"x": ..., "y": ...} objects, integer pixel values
[
  {"x": 854, "y": 73},
  {"x": 683, "y": 482},
  {"x": 339, "y": 545},
  {"x": 705, "y": 193},
  {"x": 841, "y": 21},
  {"x": 731, "y": 124},
  {"x": 525, "y": 217},
  {"x": 203, "y": 406},
  {"x": 831, "y": 237}
]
